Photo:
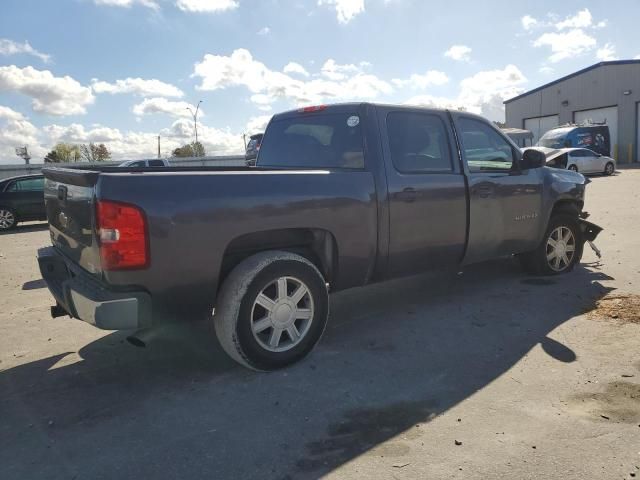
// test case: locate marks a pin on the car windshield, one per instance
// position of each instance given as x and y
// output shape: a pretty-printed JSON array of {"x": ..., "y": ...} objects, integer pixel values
[{"x": 553, "y": 138}]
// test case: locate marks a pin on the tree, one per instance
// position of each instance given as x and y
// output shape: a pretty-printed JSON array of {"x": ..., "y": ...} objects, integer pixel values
[
  {"x": 63, "y": 153},
  {"x": 499, "y": 124},
  {"x": 94, "y": 153},
  {"x": 194, "y": 149}
]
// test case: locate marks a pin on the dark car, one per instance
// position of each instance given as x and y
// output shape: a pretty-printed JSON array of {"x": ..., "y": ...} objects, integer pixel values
[
  {"x": 252, "y": 148},
  {"x": 594, "y": 137},
  {"x": 21, "y": 200},
  {"x": 341, "y": 196}
]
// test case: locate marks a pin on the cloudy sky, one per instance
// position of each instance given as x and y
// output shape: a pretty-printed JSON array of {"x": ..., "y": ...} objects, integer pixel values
[{"x": 124, "y": 71}]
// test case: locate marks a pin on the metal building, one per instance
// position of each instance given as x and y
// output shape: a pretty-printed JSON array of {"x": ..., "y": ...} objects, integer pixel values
[{"x": 605, "y": 92}]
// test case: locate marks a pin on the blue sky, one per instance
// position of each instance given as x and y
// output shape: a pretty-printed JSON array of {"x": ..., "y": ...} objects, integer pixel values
[{"x": 123, "y": 71}]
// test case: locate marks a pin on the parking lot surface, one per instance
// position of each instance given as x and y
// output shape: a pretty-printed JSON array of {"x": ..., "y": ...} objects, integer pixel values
[{"x": 486, "y": 374}]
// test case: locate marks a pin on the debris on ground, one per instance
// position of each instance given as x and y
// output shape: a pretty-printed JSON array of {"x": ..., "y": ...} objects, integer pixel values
[
  {"x": 457, "y": 442},
  {"x": 622, "y": 307}
]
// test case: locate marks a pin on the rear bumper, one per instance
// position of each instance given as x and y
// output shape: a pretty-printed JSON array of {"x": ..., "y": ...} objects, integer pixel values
[{"x": 85, "y": 298}]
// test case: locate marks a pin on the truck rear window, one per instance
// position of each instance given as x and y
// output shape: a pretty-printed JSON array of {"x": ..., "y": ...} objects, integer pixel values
[{"x": 313, "y": 141}]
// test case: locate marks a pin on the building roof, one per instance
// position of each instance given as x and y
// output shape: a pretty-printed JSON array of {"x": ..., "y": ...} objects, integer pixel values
[{"x": 575, "y": 74}]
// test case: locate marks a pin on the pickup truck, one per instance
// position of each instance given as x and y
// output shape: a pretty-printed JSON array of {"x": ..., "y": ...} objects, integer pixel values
[{"x": 342, "y": 196}]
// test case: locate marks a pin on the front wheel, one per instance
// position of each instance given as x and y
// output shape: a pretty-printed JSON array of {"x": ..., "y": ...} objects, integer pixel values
[
  {"x": 560, "y": 249},
  {"x": 272, "y": 310}
]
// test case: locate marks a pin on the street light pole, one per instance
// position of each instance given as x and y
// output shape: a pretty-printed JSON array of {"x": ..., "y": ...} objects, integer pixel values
[{"x": 195, "y": 118}]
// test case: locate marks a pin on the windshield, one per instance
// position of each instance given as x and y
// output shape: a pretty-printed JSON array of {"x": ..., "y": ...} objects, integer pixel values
[{"x": 553, "y": 138}]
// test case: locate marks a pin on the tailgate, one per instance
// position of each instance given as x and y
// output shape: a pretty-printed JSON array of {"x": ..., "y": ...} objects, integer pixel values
[{"x": 69, "y": 197}]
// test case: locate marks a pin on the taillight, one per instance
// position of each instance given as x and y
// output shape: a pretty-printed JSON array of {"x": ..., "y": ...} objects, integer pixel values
[{"x": 122, "y": 233}]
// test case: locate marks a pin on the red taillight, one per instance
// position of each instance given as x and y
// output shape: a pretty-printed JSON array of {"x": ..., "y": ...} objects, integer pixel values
[
  {"x": 316, "y": 108},
  {"x": 122, "y": 233}
]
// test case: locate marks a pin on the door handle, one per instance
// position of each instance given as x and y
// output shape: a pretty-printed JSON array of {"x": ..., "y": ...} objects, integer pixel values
[
  {"x": 407, "y": 195},
  {"x": 483, "y": 191}
]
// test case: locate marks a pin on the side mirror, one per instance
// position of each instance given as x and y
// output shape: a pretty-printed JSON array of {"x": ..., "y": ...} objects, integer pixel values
[{"x": 532, "y": 159}]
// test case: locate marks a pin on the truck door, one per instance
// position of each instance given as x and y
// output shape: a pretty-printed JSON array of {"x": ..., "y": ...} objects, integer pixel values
[
  {"x": 427, "y": 195},
  {"x": 504, "y": 202}
]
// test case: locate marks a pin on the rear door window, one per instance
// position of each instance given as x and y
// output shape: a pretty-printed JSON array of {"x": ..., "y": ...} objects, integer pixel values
[
  {"x": 314, "y": 141},
  {"x": 418, "y": 143}
]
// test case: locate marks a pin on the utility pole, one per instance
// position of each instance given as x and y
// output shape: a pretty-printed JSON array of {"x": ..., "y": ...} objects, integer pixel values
[
  {"x": 195, "y": 119},
  {"x": 244, "y": 140},
  {"x": 159, "y": 146}
]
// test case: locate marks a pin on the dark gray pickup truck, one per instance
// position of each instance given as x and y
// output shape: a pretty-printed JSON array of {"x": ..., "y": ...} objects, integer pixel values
[{"x": 342, "y": 196}]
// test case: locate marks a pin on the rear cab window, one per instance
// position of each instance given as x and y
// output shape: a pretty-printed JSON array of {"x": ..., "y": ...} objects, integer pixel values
[{"x": 319, "y": 140}]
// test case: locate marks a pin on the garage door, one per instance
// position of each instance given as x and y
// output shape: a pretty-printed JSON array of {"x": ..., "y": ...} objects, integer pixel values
[
  {"x": 540, "y": 125},
  {"x": 599, "y": 115}
]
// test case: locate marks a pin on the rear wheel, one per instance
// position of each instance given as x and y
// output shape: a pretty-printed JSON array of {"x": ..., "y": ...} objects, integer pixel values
[
  {"x": 560, "y": 249},
  {"x": 609, "y": 168},
  {"x": 272, "y": 310},
  {"x": 7, "y": 219},
  {"x": 573, "y": 168}
]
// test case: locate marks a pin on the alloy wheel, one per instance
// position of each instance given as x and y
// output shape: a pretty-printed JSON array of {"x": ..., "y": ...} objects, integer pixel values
[
  {"x": 561, "y": 248},
  {"x": 7, "y": 219},
  {"x": 282, "y": 314}
]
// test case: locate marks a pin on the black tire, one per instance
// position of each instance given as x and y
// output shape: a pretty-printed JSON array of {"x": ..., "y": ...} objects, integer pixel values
[
  {"x": 609, "y": 168},
  {"x": 573, "y": 168},
  {"x": 235, "y": 309},
  {"x": 8, "y": 219},
  {"x": 537, "y": 263}
]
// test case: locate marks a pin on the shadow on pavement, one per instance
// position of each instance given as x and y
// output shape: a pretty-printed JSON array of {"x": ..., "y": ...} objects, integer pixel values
[{"x": 394, "y": 356}]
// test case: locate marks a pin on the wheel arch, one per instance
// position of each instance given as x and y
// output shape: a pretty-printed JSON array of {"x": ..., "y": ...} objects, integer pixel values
[{"x": 319, "y": 246}]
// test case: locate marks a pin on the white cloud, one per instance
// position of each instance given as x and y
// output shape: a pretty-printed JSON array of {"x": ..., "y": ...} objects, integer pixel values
[
  {"x": 293, "y": 67},
  {"x": 206, "y": 6},
  {"x": 581, "y": 19},
  {"x": 216, "y": 141},
  {"x": 150, "y": 106},
  {"x": 482, "y": 93},
  {"x": 430, "y": 78},
  {"x": 459, "y": 53},
  {"x": 9, "y": 47},
  {"x": 128, "y": 3},
  {"x": 546, "y": 69},
  {"x": 257, "y": 124},
  {"x": 50, "y": 94},
  {"x": 345, "y": 9},
  {"x": 637, "y": 57},
  {"x": 528, "y": 22},
  {"x": 568, "y": 44},
  {"x": 17, "y": 131},
  {"x": 606, "y": 53},
  {"x": 335, "y": 71},
  {"x": 137, "y": 86},
  {"x": 336, "y": 82},
  {"x": 264, "y": 31}
]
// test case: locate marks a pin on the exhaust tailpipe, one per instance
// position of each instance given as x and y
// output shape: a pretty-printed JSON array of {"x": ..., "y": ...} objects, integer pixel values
[{"x": 141, "y": 338}]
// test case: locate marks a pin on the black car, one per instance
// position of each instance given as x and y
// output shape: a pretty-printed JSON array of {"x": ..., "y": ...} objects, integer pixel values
[
  {"x": 252, "y": 149},
  {"x": 21, "y": 200}
]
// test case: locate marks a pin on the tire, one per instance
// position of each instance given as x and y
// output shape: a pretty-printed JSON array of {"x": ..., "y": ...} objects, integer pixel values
[
  {"x": 573, "y": 168},
  {"x": 609, "y": 168},
  {"x": 8, "y": 219},
  {"x": 247, "y": 330},
  {"x": 542, "y": 260}
]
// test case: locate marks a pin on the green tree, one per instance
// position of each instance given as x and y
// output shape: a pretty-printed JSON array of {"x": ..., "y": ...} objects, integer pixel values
[
  {"x": 194, "y": 149},
  {"x": 63, "y": 153}
]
